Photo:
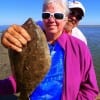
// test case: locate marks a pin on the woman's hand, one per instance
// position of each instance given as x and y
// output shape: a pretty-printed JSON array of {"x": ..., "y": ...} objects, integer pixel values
[{"x": 15, "y": 37}]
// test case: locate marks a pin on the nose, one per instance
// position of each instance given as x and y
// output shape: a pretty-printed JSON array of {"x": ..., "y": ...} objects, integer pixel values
[{"x": 51, "y": 18}]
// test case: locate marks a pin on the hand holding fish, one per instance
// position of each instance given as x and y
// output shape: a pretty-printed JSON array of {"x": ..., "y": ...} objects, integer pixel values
[
  {"x": 15, "y": 37},
  {"x": 31, "y": 65}
]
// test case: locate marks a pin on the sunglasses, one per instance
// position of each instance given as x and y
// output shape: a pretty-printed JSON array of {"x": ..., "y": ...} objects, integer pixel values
[
  {"x": 73, "y": 21},
  {"x": 46, "y": 15}
]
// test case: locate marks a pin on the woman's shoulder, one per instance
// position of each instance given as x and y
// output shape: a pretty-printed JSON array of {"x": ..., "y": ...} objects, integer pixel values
[
  {"x": 71, "y": 41},
  {"x": 77, "y": 43}
]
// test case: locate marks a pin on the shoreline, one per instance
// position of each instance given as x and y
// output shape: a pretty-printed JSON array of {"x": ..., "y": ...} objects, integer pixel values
[{"x": 5, "y": 69}]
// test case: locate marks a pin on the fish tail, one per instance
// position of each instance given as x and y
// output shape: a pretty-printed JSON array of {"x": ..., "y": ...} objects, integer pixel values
[{"x": 23, "y": 96}]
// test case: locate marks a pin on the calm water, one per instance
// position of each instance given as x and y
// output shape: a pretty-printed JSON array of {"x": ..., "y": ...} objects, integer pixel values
[{"x": 92, "y": 34}]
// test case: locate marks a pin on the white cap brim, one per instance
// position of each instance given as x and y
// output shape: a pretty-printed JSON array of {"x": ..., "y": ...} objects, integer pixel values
[{"x": 76, "y": 4}]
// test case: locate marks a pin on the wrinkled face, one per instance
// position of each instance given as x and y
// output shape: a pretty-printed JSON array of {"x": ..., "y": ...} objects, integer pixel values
[{"x": 54, "y": 19}]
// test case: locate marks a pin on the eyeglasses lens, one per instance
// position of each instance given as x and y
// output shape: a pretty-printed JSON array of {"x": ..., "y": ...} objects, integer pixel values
[{"x": 55, "y": 15}]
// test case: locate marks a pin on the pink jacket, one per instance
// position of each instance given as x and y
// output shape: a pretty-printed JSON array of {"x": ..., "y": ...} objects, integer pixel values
[{"x": 79, "y": 79}]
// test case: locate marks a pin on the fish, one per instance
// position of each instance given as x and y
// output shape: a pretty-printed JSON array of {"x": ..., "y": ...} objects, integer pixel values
[{"x": 30, "y": 66}]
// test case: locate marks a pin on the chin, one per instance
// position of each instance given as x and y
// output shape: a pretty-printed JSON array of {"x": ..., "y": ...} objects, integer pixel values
[{"x": 52, "y": 31}]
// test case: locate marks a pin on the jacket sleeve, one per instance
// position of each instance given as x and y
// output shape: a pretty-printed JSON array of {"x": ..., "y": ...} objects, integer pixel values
[
  {"x": 88, "y": 87},
  {"x": 7, "y": 86}
]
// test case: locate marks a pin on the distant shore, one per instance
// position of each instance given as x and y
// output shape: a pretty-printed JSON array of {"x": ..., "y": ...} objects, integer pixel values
[{"x": 5, "y": 69}]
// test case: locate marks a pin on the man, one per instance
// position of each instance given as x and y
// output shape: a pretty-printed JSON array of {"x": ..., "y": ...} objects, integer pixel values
[{"x": 77, "y": 12}]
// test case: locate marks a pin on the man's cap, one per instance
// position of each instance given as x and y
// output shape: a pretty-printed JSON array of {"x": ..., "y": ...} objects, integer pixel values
[{"x": 76, "y": 4}]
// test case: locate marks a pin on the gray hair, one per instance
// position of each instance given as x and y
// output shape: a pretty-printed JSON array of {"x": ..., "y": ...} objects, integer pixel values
[{"x": 62, "y": 3}]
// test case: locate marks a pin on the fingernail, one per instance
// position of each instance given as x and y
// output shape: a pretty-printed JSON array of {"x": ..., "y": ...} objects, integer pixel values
[
  {"x": 29, "y": 38},
  {"x": 20, "y": 50}
]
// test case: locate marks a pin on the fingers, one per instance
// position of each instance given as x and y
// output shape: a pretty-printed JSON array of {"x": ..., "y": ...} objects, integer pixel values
[
  {"x": 15, "y": 33},
  {"x": 22, "y": 32},
  {"x": 15, "y": 37},
  {"x": 9, "y": 44}
]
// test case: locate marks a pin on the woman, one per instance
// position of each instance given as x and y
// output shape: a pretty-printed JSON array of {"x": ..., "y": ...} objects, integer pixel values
[
  {"x": 77, "y": 12},
  {"x": 72, "y": 75}
]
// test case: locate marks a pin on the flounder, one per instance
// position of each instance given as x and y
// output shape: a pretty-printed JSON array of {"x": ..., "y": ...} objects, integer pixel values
[{"x": 32, "y": 64}]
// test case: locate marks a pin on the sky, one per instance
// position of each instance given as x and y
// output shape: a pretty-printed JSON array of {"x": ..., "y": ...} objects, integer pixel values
[{"x": 18, "y": 11}]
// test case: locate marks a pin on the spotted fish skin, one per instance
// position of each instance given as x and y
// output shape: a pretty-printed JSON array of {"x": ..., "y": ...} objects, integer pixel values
[{"x": 32, "y": 64}]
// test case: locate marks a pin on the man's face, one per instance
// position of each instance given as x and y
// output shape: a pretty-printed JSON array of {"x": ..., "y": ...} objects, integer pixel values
[{"x": 71, "y": 23}]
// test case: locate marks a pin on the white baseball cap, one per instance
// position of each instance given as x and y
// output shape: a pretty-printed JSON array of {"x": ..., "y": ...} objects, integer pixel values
[{"x": 76, "y": 4}]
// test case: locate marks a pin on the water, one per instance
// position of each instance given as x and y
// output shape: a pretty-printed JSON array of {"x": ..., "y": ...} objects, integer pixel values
[
  {"x": 92, "y": 34},
  {"x": 3, "y": 28}
]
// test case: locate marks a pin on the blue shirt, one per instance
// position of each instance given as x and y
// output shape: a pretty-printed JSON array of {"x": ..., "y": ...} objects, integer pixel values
[{"x": 51, "y": 86}]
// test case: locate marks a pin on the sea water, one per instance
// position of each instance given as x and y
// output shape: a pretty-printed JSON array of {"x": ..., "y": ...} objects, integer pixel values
[{"x": 92, "y": 34}]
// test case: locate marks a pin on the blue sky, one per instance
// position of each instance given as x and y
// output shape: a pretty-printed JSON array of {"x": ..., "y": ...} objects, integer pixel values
[{"x": 17, "y": 11}]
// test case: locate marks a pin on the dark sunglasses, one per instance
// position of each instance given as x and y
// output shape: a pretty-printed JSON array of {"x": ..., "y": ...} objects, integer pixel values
[
  {"x": 73, "y": 21},
  {"x": 46, "y": 15}
]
